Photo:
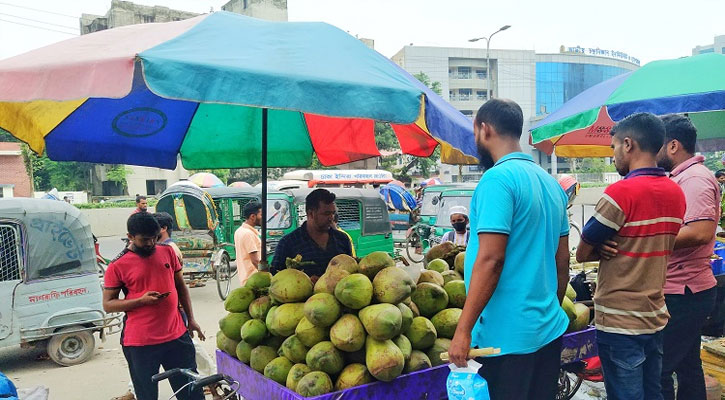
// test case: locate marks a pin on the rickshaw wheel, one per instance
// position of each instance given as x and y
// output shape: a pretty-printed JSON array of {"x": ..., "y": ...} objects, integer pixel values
[
  {"x": 223, "y": 273},
  {"x": 569, "y": 384},
  {"x": 411, "y": 245},
  {"x": 71, "y": 348}
]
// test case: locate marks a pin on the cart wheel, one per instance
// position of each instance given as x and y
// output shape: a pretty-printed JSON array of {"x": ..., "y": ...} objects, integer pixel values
[
  {"x": 411, "y": 245},
  {"x": 223, "y": 273},
  {"x": 71, "y": 348},
  {"x": 569, "y": 384}
]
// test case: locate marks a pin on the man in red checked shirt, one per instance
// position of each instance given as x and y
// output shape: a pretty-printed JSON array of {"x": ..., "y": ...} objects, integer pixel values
[{"x": 154, "y": 335}]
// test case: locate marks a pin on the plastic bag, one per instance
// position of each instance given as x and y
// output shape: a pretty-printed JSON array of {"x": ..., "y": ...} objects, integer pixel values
[{"x": 466, "y": 384}]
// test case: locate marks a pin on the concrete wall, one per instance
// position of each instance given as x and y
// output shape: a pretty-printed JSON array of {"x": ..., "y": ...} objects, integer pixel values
[
  {"x": 272, "y": 10},
  {"x": 108, "y": 221}
]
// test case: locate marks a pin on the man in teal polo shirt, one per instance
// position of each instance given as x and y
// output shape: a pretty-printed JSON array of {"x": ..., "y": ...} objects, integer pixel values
[{"x": 517, "y": 263}]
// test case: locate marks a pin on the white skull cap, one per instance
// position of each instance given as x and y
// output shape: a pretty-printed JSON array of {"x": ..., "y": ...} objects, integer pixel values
[{"x": 458, "y": 210}]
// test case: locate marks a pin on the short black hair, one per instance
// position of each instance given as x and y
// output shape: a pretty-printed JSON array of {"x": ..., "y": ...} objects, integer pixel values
[
  {"x": 140, "y": 197},
  {"x": 644, "y": 128},
  {"x": 317, "y": 196},
  {"x": 504, "y": 115},
  {"x": 143, "y": 224},
  {"x": 250, "y": 209},
  {"x": 165, "y": 220},
  {"x": 719, "y": 173},
  {"x": 680, "y": 128}
]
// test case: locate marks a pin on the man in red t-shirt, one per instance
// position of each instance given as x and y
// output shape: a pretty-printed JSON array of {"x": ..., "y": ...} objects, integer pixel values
[{"x": 153, "y": 334}]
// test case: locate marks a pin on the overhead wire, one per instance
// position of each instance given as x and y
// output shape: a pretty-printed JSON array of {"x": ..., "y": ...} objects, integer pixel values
[
  {"x": 39, "y": 27},
  {"x": 38, "y": 21},
  {"x": 36, "y": 9}
]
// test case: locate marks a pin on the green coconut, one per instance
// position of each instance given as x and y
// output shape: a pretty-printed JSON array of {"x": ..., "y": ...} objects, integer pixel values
[
  {"x": 432, "y": 277},
  {"x": 278, "y": 369},
  {"x": 322, "y": 309},
  {"x": 439, "y": 251},
  {"x": 353, "y": 375},
  {"x": 297, "y": 372},
  {"x": 253, "y": 331},
  {"x": 374, "y": 262},
  {"x": 456, "y": 291},
  {"x": 293, "y": 349},
  {"x": 313, "y": 384},
  {"x": 270, "y": 317},
  {"x": 328, "y": 280},
  {"x": 570, "y": 292},
  {"x": 259, "y": 280},
  {"x": 354, "y": 291},
  {"x": 260, "y": 357},
  {"x": 260, "y": 307},
  {"x": 458, "y": 264},
  {"x": 421, "y": 333},
  {"x": 348, "y": 333},
  {"x": 226, "y": 344},
  {"x": 451, "y": 275},
  {"x": 325, "y": 357},
  {"x": 445, "y": 322},
  {"x": 310, "y": 334},
  {"x": 273, "y": 341},
  {"x": 239, "y": 300},
  {"x": 418, "y": 361},
  {"x": 568, "y": 306},
  {"x": 244, "y": 351},
  {"x": 384, "y": 359},
  {"x": 285, "y": 319},
  {"x": 232, "y": 323},
  {"x": 440, "y": 345},
  {"x": 407, "y": 314},
  {"x": 430, "y": 298},
  {"x": 438, "y": 265},
  {"x": 392, "y": 285},
  {"x": 581, "y": 320},
  {"x": 290, "y": 286},
  {"x": 381, "y": 321},
  {"x": 404, "y": 345},
  {"x": 343, "y": 262}
]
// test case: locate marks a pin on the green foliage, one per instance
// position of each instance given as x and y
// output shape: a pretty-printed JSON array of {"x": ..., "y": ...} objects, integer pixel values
[
  {"x": 254, "y": 175},
  {"x": 118, "y": 173},
  {"x": 591, "y": 165},
  {"x": 116, "y": 204},
  {"x": 425, "y": 79},
  {"x": 713, "y": 160}
]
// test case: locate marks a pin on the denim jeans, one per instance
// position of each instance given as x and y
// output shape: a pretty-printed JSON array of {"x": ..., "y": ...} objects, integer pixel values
[{"x": 632, "y": 365}]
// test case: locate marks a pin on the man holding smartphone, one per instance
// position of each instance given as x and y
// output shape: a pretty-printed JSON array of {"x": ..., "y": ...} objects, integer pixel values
[{"x": 153, "y": 334}]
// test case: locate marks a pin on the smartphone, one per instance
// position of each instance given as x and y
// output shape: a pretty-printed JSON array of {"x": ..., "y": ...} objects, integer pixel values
[{"x": 165, "y": 294}]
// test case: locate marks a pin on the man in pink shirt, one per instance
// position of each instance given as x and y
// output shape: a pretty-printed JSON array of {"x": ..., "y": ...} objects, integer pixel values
[
  {"x": 247, "y": 244},
  {"x": 690, "y": 290}
]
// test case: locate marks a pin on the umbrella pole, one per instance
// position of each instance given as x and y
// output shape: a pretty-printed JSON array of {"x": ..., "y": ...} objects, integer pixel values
[{"x": 263, "y": 261}]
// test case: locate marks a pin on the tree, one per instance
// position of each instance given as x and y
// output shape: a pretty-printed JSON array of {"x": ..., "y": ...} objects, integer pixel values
[{"x": 425, "y": 79}]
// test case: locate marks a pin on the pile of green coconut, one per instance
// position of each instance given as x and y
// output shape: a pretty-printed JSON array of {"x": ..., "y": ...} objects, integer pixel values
[{"x": 360, "y": 322}]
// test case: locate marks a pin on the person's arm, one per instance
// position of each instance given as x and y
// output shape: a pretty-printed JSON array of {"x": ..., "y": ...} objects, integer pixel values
[
  {"x": 696, "y": 233},
  {"x": 111, "y": 302},
  {"x": 185, "y": 301},
  {"x": 607, "y": 220},
  {"x": 562, "y": 267},
  {"x": 255, "y": 257},
  {"x": 486, "y": 272}
]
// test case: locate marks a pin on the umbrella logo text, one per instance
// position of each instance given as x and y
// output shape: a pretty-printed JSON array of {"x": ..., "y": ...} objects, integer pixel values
[{"x": 139, "y": 122}]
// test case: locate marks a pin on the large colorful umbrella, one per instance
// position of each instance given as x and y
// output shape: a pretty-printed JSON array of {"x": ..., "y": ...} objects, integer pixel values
[
  {"x": 206, "y": 180},
  {"x": 430, "y": 182},
  {"x": 692, "y": 85},
  {"x": 240, "y": 184},
  {"x": 222, "y": 91},
  {"x": 397, "y": 198}
]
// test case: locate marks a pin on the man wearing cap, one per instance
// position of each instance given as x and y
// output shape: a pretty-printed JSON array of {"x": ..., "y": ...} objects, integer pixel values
[{"x": 459, "y": 221}]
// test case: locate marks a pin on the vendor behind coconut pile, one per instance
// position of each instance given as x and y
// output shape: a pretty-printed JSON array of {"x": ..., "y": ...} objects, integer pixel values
[
  {"x": 459, "y": 221},
  {"x": 316, "y": 240}
]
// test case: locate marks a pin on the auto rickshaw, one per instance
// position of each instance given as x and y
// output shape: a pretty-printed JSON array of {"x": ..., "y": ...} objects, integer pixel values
[
  {"x": 199, "y": 235},
  {"x": 49, "y": 285}
]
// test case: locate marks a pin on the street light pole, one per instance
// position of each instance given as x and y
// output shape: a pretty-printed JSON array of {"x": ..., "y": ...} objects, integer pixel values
[{"x": 488, "y": 58}]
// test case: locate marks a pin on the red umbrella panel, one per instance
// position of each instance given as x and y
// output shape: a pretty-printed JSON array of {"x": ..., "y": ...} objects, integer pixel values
[{"x": 592, "y": 141}]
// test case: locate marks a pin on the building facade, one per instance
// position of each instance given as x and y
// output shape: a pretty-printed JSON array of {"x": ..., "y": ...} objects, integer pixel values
[
  {"x": 717, "y": 46},
  {"x": 144, "y": 180},
  {"x": 539, "y": 83},
  {"x": 14, "y": 179}
]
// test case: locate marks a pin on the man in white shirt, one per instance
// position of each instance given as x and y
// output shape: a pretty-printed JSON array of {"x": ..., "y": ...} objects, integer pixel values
[{"x": 459, "y": 221}]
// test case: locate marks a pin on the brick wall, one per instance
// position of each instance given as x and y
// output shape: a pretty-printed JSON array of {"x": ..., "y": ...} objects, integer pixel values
[{"x": 12, "y": 170}]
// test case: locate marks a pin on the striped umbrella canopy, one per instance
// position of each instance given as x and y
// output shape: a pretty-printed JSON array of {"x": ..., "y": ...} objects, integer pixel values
[
  {"x": 240, "y": 184},
  {"x": 397, "y": 198},
  {"x": 430, "y": 182},
  {"x": 206, "y": 180},
  {"x": 691, "y": 85},
  {"x": 201, "y": 90}
]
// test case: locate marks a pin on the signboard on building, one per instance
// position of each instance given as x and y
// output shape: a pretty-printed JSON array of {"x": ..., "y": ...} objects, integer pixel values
[{"x": 599, "y": 52}]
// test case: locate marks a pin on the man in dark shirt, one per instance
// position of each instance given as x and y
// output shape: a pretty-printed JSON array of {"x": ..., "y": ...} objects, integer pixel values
[{"x": 316, "y": 240}]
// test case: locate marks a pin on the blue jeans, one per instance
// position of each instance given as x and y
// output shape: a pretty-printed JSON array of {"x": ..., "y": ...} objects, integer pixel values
[{"x": 632, "y": 365}]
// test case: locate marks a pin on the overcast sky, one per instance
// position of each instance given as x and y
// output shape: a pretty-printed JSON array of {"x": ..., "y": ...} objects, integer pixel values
[{"x": 644, "y": 29}]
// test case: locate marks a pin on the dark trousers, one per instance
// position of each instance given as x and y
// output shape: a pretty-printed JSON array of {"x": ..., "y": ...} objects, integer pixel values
[
  {"x": 144, "y": 362},
  {"x": 632, "y": 365},
  {"x": 688, "y": 313},
  {"x": 533, "y": 376}
]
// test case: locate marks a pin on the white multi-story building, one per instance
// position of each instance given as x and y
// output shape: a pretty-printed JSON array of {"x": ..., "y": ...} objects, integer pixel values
[
  {"x": 539, "y": 83},
  {"x": 717, "y": 46}
]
